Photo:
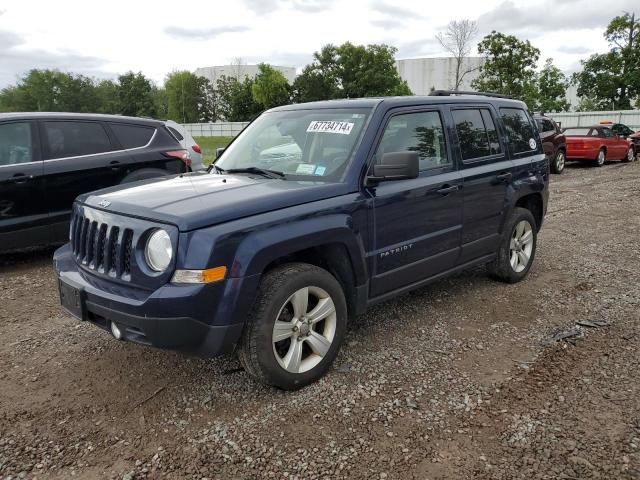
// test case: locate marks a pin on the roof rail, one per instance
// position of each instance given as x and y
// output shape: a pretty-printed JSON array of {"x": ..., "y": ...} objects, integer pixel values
[{"x": 447, "y": 93}]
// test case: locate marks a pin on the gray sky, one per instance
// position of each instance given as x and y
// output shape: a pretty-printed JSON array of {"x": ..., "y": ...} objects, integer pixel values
[{"x": 104, "y": 39}]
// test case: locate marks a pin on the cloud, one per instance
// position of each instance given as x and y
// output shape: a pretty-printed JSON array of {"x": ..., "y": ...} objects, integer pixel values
[
  {"x": 16, "y": 61},
  {"x": 574, "y": 50},
  {"x": 418, "y": 48},
  {"x": 561, "y": 15},
  {"x": 263, "y": 7},
  {"x": 387, "y": 9},
  {"x": 387, "y": 23},
  {"x": 202, "y": 33}
]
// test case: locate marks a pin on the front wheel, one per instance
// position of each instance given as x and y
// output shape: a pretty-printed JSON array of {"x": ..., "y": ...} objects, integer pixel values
[
  {"x": 295, "y": 328},
  {"x": 557, "y": 166},
  {"x": 517, "y": 248}
]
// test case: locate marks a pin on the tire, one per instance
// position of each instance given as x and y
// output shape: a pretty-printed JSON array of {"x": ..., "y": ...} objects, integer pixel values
[
  {"x": 600, "y": 159},
  {"x": 282, "y": 291},
  {"x": 630, "y": 156},
  {"x": 143, "y": 174},
  {"x": 557, "y": 166},
  {"x": 504, "y": 268}
]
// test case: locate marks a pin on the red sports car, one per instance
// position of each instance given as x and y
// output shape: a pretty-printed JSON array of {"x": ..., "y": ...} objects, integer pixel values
[{"x": 598, "y": 144}]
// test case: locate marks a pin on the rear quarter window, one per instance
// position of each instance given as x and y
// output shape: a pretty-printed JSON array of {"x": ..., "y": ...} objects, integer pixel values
[
  {"x": 132, "y": 136},
  {"x": 520, "y": 132},
  {"x": 176, "y": 133}
]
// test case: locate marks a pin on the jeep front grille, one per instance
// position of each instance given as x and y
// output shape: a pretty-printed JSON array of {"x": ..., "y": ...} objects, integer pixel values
[{"x": 102, "y": 247}]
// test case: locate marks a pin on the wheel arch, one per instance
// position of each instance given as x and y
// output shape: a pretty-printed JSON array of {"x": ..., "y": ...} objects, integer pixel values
[{"x": 534, "y": 203}]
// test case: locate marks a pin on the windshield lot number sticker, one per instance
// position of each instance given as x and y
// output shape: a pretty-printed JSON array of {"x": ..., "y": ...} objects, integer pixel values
[
  {"x": 305, "y": 169},
  {"x": 329, "y": 126}
]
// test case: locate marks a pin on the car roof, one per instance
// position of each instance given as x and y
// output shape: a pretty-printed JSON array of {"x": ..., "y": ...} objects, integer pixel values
[
  {"x": 404, "y": 101},
  {"x": 76, "y": 116}
]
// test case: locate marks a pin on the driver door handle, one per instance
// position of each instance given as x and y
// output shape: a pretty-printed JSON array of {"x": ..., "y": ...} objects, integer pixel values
[
  {"x": 504, "y": 177},
  {"x": 115, "y": 165}
]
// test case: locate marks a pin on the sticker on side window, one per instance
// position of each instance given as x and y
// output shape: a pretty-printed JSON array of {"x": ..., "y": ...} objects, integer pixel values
[{"x": 329, "y": 126}]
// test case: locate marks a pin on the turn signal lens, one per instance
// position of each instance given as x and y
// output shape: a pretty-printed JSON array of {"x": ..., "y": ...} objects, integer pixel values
[{"x": 199, "y": 276}]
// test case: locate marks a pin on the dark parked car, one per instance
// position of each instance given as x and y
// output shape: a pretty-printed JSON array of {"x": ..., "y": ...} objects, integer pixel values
[
  {"x": 553, "y": 142},
  {"x": 48, "y": 159},
  {"x": 272, "y": 256}
]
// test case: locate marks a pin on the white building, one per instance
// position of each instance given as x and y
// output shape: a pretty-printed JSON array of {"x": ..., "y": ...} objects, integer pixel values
[
  {"x": 426, "y": 74},
  {"x": 240, "y": 72}
]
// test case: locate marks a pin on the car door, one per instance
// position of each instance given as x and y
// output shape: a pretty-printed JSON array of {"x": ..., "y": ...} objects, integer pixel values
[
  {"x": 416, "y": 221},
  {"x": 23, "y": 211},
  {"x": 79, "y": 157},
  {"x": 487, "y": 172},
  {"x": 547, "y": 135}
]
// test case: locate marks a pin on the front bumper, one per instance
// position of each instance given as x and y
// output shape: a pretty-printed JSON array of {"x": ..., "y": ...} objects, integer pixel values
[{"x": 196, "y": 319}]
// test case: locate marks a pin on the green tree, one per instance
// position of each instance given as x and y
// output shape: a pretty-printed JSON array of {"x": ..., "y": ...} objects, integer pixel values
[
  {"x": 552, "y": 89},
  {"x": 509, "y": 67},
  {"x": 270, "y": 88},
  {"x": 350, "y": 71},
  {"x": 612, "y": 79},
  {"x": 106, "y": 92},
  {"x": 136, "y": 95},
  {"x": 187, "y": 97},
  {"x": 234, "y": 99}
]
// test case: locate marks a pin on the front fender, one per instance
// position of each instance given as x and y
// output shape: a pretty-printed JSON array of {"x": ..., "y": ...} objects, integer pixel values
[{"x": 262, "y": 247}]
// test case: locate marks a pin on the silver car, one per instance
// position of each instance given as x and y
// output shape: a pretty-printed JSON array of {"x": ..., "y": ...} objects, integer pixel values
[{"x": 188, "y": 143}]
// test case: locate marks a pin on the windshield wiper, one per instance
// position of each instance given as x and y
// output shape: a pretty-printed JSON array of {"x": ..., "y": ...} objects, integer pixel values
[
  {"x": 260, "y": 171},
  {"x": 217, "y": 168}
]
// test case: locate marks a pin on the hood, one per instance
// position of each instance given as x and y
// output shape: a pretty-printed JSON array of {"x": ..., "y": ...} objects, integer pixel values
[{"x": 201, "y": 199}]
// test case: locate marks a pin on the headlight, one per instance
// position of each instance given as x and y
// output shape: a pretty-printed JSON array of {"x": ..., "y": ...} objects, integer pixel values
[{"x": 158, "y": 251}]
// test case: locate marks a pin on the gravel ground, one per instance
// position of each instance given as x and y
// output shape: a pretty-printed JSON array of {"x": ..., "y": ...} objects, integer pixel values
[{"x": 466, "y": 378}]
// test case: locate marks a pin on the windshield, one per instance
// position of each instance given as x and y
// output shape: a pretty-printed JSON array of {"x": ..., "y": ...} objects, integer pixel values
[{"x": 302, "y": 144}]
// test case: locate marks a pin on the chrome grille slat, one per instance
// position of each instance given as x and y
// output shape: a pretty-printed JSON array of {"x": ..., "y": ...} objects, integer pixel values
[{"x": 102, "y": 247}]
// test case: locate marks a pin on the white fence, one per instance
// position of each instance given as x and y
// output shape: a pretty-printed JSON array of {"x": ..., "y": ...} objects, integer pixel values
[
  {"x": 217, "y": 129},
  {"x": 630, "y": 118}
]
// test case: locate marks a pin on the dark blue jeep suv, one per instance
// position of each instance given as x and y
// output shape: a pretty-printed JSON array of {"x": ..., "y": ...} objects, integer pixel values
[{"x": 313, "y": 213}]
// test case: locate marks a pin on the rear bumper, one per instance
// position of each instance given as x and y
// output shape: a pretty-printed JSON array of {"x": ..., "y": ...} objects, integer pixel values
[{"x": 197, "y": 319}]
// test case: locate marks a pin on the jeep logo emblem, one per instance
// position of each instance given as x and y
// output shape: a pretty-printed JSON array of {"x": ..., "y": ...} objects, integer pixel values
[{"x": 104, "y": 203}]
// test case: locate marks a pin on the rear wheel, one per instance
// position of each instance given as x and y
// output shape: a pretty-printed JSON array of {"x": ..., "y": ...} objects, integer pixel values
[
  {"x": 602, "y": 156},
  {"x": 517, "y": 248},
  {"x": 557, "y": 166},
  {"x": 631, "y": 155},
  {"x": 295, "y": 328}
]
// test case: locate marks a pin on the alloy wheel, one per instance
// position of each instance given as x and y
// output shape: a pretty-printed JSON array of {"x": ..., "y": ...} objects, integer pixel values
[
  {"x": 560, "y": 160},
  {"x": 304, "y": 329},
  {"x": 521, "y": 246},
  {"x": 631, "y": 155}
]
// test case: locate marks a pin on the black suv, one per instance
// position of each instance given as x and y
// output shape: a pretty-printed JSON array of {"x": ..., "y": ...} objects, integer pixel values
[
  {"x": 313, "y": 213},
  {"x": 48, "y": 159}
]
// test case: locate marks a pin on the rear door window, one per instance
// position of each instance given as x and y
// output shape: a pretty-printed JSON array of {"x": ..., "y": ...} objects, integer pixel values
[
  {"x": 74, "y": 139},
  {"x": 132, "y": 136},
  {"x": 15, "y": 143},
  {"x": 477, "y": 133},
  {"x": 520, "y": 132}
]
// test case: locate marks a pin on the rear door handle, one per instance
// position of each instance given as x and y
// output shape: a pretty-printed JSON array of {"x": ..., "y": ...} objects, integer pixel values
[
  {"x": 20, "y": 178},
  {"x": 447, "y": 189},
  {"x": 504, "y": 177},
  {"x": 115, "y": 165}
]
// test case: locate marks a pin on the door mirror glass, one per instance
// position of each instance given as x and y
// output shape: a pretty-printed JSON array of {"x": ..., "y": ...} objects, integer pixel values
[
  {"x": 219, "y": 152},
  {"x": 397, "y": 166}
]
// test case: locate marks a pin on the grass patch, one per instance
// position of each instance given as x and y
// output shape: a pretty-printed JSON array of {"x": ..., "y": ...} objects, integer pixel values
[{"x": 209, "y": 145}]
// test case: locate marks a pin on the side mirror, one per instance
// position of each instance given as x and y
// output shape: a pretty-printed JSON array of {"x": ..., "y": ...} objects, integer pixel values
[
  {"x": 396, "y": 166},
  {"x": 219, "y": 151}
]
